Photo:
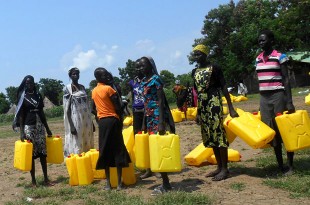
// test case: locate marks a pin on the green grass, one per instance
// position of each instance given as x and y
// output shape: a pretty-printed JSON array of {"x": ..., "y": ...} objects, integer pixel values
[
  {"x": 92, "y": 195},
  {"x": 238, "y": 186}
]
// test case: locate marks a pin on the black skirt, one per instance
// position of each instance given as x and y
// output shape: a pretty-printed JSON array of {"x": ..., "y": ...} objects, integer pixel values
[{"x": 112, "y": 150}]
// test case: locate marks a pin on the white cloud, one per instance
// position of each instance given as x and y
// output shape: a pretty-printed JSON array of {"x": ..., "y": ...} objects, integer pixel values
[
  {"x": 145, "y": 45},
  {"x": 99, "y": 55},
  {"x": 176, "y": 55},
  {"x": 84, "y": 60}
]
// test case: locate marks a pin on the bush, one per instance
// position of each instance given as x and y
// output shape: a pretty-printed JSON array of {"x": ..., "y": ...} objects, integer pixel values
[
  {"x": 56, "y": 111},
  {"x": 4, "y": 118},
  {"x": 170, "y": 95}
]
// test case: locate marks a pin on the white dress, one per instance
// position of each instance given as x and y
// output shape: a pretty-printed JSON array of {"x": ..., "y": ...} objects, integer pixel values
[{"x": 81, "y": 118}]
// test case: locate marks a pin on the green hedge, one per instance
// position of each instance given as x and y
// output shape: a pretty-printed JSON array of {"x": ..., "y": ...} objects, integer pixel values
[
  {"x": 56, "y": 111},
  {"x": 6, "y": 118}
]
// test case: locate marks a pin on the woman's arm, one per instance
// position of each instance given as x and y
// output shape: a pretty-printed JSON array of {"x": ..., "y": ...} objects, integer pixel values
[{"x": 161, "y": 126}]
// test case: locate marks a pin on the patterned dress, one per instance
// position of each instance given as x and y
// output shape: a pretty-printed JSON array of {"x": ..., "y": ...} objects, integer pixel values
[
  {"x": 208, "y": 82},
  {"x": 151, "y": 105},
  {"x": 34, "y": 128},
  {"x": 81, "y": 117}
]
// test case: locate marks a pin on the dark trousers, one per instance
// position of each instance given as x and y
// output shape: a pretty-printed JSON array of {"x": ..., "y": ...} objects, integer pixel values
[{"x": 137, "y": 120}]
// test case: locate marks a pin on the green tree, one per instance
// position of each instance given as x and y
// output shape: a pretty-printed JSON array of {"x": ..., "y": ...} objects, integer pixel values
[
  {"x": 12, "y": 94},
  {"x": 167, "y": 77},
  {"x": 126, "y": 74},
  {"x": 231, "y": 31},
  {"x": 52, "y": 89},
  {"x": 4, "y": 104},
  {"x": 185, "y": 79}
]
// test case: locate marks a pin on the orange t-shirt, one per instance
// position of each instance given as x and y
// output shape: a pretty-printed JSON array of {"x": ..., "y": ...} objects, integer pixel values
[{"x": 101, "y": 95}]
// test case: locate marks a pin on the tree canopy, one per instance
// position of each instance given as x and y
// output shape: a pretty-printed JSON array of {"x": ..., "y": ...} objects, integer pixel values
[
  {"x": 231, "y": 32},
  {"x": 52, "y": 89}
]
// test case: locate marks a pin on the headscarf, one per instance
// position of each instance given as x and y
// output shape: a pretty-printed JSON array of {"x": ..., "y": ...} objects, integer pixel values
[
  {"x": 154, "y": 69},
  {"x": 202, "y": 48},
  {"x": 20, "y": 98},
  {"x": 22, "y": 86}
]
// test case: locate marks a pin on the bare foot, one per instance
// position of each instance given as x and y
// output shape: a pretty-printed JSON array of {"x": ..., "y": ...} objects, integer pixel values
[
  {"x": 212, "y": 174},
  {"x": 119, "y": 187},
  {"x": 220, "y": 176},
  {"x": 107, "y": 188},
  {"x": 147, "y": 174},
  {"x": 48, "y": 183},
  {"x": 287, "y": 171}
]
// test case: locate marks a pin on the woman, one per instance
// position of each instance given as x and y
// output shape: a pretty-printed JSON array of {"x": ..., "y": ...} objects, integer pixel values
[
  {"x": 77, "y": 117},
  {"x": 210, "y": 84},
  {"x": 108, "y": 111},
  {"x": 157, "y": 115},
  {"x": 31, "y": 120}
]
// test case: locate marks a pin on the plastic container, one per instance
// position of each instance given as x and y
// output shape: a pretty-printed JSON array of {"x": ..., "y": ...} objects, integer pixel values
[
  {"x": 54, "y": 149},
  {"x": 198, "y": 155},
  {"x": 93, "y": 154},
  {"x": 23, "y": 155},
  {"x": 127, "y": 121},
  {"x": 176, "y": 115},
  {"x": 195, "y": 112},
  {"x": 128, "y": 173},
  {"x": 165, "y": 153},
  {"x": 251, "y": 130},
  {"x": 294, "y": 129},
  {"x": 233, "y": 156},
  {"x": 142, "y": 151},
  {"x": 189, "y": 113},
  {"x": 225, "y": 110},
  {"x": 307, "y": 99},
  {"x": 129, "y": 138},
  {"x": 72, "y": 170},
  {"x": 231, "y": 136},
  {"x": 85, "y": 171},
  {"x": 257, "y": 115}
]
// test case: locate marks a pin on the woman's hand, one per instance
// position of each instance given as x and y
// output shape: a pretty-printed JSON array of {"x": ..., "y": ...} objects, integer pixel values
[
  {"x": 161, "y": 129},
  {"x": 198, "y": 119},
  {"x": 73, "y": 131},
  {"x": 49, "y": 133},
  {"x": 233, "y": 113}
]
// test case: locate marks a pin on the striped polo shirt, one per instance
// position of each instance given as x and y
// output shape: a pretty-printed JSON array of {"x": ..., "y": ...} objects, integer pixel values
[{"x": 269, "y": 71}]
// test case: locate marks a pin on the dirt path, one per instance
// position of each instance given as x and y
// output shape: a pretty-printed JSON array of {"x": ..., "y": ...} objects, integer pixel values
[{"x": 191, "y": 179}]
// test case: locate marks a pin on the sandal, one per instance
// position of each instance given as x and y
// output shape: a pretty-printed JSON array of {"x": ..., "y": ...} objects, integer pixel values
[{"x": 159, "y": 190}]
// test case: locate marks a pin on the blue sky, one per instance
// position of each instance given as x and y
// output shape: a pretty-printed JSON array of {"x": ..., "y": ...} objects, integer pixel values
[{"x": 46, "y": 38}]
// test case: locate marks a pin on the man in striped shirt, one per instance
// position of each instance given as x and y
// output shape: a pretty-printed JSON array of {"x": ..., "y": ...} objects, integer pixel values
[{"x": 275, "y": 92}]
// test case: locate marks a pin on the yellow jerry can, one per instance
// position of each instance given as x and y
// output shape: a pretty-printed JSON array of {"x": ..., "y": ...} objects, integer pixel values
[
  {"x": 233, "y": 156},
  {"x": 251, "y": 130},
  {"x": 294, "y": 129},
  {"x": 129, "y": 138},
  {"x": 93, "y": 154},
  {"x": 23, "y": 155},
  {"x": 127, "y": 121},
  {"x": 165, "y": 153},
  {"x": 142, "y": 152},
  {"x": 85, "y": 171},
  {"x": 307, "y": 99},
  {"x": 231, "y": 136},
  {"x": 54, "y": 149},
  {"x": 176, "y": 115},
  {"x": 198, "y": 155},
  {"x": 72, "y": 170}
]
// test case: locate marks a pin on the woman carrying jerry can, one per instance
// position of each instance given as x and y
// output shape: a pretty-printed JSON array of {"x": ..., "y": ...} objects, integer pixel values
[
  {"x": 157, "y": 117},
  {"x": 31, "y": 120},
  {"x": 210, "y": 84}
]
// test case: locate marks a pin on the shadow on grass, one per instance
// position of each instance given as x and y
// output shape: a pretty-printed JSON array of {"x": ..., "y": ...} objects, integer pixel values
[{"x": 266, "y": 167}]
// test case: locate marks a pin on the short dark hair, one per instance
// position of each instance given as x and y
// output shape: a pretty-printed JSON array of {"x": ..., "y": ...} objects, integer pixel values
[
  {"x": 268, "y": 33},
  {"x": 98, "y": 71},
  {"x": 73, "y": 69}
]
